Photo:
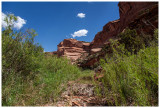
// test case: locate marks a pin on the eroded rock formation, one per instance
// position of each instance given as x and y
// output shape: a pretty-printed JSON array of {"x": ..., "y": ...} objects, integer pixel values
[
  {"x": 72, "y": 48},
  {"x": 142, "y": 16}
]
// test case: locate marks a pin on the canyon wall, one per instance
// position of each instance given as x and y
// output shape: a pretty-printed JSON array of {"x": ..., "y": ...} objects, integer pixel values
[
  {"x": 142, "y": 16},
  {"x": 132, "y": 14}
]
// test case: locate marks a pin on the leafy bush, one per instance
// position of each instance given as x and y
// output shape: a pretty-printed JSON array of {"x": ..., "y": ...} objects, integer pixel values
[
  {"x": 134, "y": 42},
  {"x": 19, "y": 52},
  {"x": 131, "y": 40}
]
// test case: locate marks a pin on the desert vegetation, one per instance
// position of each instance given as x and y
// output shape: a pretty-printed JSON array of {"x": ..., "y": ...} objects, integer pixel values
[
  {"x": 31, "y": 78},
  {"x": 131, "y": 70}
]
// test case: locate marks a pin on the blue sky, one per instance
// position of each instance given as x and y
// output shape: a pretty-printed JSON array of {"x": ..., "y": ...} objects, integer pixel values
[{"x": 56, "y": 21}]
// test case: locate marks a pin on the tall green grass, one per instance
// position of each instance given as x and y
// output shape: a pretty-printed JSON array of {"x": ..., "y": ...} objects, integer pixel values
[
  {"x": 41, "y": 88},
  {"x": 131, "y": 78}
]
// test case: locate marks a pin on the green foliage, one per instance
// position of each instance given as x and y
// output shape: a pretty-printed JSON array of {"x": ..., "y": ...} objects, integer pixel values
[
  {"x": 28, "y": 76},
  {"x": 155, "y": 36},
  {"x": 131, "y": 79},
  {"x": 19, "y": 53},
  {"x": 131, "y": 40},
  {"x": 134, "y": 42},
  {"x": 45, "y": 87}
]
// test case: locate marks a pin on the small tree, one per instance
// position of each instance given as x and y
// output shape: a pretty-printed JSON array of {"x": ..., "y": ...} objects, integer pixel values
[{"x": 19, "y": 52}]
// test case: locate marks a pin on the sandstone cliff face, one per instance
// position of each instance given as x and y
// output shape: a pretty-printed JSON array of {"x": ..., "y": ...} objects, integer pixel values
[
  {"x": 132, "y": 14},
  {"x": 129, "y": 11},
  {"x": 72, "y": 48},
  {"x": 109, "y": 31},
  {"x": 142, "y": 16}
]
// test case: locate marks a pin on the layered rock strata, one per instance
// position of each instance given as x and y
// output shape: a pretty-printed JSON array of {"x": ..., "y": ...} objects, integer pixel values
[{"x": 72, "y": 48}]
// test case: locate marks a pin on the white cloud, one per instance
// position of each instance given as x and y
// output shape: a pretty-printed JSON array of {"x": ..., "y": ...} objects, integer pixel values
[
  {"x": 19, "y": 23},
  {"x": 16, "y": 24},
  {"x": 80, "y": 33},
  {"x": 81, "y": 15}
]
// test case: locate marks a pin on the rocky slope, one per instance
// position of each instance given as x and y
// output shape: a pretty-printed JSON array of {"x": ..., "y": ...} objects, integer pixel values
[
  {"x": 81, "y": 92},
  {"x": 142, "y": 16}
]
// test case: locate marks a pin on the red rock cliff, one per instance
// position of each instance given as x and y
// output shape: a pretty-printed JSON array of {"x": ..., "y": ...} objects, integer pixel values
[
  {"x": 142, "y": 16},
  {"x": 72, "y": 48},
  {"x": 132, "y": 14}
]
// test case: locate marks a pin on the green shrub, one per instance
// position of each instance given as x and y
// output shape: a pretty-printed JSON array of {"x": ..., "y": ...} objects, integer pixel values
[
  {"x": 131, "y": 40},
  {"x": 19, "y": 52},
  {"x": 132, "y": 79},
  {"x": 134, "y": 42}
]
